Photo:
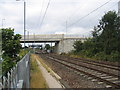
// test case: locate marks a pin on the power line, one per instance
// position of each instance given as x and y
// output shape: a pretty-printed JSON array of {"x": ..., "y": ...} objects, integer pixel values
[
  {"x": 45, "y": 13},
  {"x": 89, "y": 13},
  {"x": 107, "y": 9},
  {"x": 41, "y": 12}
]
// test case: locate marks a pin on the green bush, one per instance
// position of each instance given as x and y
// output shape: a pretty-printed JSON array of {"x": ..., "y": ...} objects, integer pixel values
[
  {"x": 114, "y": 56},
  {"x": 101, "y": 56},
  {"x": 7, "y": 64}
]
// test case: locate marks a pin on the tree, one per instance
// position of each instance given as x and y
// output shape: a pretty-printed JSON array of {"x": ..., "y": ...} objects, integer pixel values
[
  {"x": 47, "y": 46},
  {"x": 109, "y": 26},
  {"x": 10, "y": 47},
  {"x": 105, "y": 42},
  {"x": 78, "y": 46}
]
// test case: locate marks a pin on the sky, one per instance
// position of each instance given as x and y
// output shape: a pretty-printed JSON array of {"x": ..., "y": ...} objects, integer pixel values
[{"x": 58, "y": 13}]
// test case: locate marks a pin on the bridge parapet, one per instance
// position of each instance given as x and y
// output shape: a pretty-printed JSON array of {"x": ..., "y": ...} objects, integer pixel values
[{"x": 50, "y": 37}]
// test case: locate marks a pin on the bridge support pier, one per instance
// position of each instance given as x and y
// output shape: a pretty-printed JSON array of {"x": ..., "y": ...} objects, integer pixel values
[{"x": 64, "y": 46}]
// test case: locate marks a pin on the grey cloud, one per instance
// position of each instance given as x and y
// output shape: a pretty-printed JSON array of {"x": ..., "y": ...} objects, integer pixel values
[{"x": 58, "y": 12}]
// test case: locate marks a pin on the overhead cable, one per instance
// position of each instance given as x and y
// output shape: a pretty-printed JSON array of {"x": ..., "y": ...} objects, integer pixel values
[
  {"x": 89, "y": 13},
  {"x": 45, "y": 13}
]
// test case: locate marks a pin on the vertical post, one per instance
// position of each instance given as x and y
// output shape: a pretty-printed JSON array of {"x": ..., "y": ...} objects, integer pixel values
[
  {"x": 24, "y": 23},
  {"x": 9, "y": 82},
  {"x": 63, "y": 43},
  {"x": 34, "y": 42},
  {"x": 51, "y": 48}
]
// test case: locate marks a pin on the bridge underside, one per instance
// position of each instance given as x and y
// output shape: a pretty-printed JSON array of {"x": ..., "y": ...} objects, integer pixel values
[
  {"x": 63, "y": 44},
  {"x": 38, "y": 41}
]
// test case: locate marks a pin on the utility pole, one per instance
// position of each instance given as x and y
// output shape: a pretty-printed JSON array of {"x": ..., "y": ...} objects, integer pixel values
[
  {"x": 24, "y": 21},
  {"x": 34, "y": 42}
]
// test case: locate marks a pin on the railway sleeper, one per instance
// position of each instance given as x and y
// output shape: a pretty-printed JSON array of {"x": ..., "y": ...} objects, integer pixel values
[{"x": 96, "y": 77}]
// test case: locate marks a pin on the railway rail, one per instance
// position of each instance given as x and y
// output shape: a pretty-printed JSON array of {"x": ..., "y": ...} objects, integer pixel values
[
  {"x": 111, "y": 79},
  {"x": 93, "y": 62},
  {"x": 113, "y": 70}
]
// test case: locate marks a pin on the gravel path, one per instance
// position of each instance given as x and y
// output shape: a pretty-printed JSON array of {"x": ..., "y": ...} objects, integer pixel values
[{"x": 51, "y": 81}]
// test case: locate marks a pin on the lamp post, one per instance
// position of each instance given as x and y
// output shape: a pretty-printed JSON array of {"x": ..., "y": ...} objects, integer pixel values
[{"x": 24, "y": 20}]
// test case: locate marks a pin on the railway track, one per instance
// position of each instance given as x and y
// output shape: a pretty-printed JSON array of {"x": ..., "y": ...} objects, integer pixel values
[
  {"x": 111, "y": 79},
  {"x": 97, "y": 63},
  {"x": 113, "y": 70}
]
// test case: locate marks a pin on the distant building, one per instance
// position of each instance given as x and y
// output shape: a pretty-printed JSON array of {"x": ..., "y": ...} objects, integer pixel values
[{"x": 119, "y": 8}]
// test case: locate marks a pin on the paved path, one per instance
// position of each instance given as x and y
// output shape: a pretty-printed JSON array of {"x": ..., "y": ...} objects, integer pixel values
[{"x": 51, "y": 81}]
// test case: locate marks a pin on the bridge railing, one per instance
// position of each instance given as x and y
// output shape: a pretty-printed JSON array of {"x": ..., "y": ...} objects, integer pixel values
[{"x": 19, "y": 76}]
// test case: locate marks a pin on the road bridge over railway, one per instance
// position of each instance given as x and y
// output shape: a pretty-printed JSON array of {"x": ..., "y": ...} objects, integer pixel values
[{"x": 63, "y": 43}]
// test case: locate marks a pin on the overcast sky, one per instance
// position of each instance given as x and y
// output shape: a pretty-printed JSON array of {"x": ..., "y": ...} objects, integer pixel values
[{"x": 58, "y": 13}]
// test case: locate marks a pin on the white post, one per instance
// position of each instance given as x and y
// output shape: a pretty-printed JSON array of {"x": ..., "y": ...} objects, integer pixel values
[{"x": 9, "y": 81}]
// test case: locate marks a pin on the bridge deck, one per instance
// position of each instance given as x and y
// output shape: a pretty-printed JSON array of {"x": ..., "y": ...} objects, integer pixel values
[{"x": 48, "y": 38}]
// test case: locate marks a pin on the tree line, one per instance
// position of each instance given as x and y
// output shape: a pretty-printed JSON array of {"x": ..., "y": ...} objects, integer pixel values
[{"x": 105, "y": 41}]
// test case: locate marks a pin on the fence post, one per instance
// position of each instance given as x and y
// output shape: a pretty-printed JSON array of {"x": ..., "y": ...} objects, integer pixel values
[
  {"x": 9, "y": 81},
  {"x": 11, "y": 78},
  {"x": 18, "y": 75},
  {"x": 4, "y": 82}
]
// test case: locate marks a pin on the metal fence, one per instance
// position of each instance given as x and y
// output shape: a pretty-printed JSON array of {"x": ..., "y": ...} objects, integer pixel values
[{"x": 19, "y": 76}]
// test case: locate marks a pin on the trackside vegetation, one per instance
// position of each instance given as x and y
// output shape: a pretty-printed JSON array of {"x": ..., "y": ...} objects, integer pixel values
[
  {"x": 105, "y": 41},
  {"x": 10, "y": 49},
  {"x": 36, "y": 78}
]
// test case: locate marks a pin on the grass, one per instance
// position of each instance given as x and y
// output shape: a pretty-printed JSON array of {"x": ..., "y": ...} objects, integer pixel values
[
  {"x": 81, "y": 56},
  {"x": 36, "y": 78},
  {"x": 22, "y": 53},
  {"x": 44, "y": 65}
]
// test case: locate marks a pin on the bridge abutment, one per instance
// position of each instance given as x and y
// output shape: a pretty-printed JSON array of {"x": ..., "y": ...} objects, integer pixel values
[{"x": 64, "y": 46}]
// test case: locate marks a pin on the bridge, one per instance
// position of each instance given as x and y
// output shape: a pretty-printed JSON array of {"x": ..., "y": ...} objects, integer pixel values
[{"x": 63, "y": 43}]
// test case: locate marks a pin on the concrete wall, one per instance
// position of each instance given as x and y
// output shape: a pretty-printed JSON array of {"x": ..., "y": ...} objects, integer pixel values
[
  {"x": 65, "y": 45},
  {"x": 56, "y": 47}
]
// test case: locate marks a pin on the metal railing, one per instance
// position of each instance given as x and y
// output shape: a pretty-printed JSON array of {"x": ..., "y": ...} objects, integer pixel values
[{"x": 19, "y": 76}]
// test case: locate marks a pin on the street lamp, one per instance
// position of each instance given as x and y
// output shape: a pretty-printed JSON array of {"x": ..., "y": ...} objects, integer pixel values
[{"x": 24, "y": 20}]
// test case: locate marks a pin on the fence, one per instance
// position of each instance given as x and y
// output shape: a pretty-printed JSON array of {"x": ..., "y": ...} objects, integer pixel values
[{"x": 19, "y": 76}]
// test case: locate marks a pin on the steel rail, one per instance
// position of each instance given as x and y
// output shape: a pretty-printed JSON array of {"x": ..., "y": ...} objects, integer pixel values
[{"x": 96, "y": 77}]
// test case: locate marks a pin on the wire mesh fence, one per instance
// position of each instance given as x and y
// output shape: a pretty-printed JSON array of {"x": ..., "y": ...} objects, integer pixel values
[{"x": 18, "y": 76}]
